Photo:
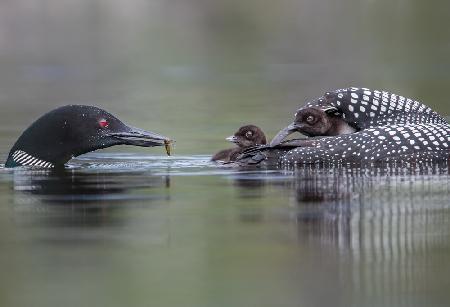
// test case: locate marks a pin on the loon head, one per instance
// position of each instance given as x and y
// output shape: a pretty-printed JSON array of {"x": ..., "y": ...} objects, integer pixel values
[
  {"x": 72, "y": 130},
  {"x": 248, "y": 136}
]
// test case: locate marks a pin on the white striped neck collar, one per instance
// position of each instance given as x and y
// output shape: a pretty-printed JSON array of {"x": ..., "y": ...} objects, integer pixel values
[{"x": 25, "y": 159}]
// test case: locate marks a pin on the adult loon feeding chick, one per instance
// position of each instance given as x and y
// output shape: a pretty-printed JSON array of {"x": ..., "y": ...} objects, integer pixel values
[
  {"x": 388, "y": 127},
  {"x": 70, "y": 131},
  {"x": 246, "y": 136}
]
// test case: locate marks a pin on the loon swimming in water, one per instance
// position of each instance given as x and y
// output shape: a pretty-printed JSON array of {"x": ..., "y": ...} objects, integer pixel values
[
  {"x": 70, "y": 131},
  {"x": 246, "y": 136},
  {"x": 388, "y": 127}
]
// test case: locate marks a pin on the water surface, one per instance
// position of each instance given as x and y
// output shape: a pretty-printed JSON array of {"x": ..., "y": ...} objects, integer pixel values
[{"x": 111, "y": 229}]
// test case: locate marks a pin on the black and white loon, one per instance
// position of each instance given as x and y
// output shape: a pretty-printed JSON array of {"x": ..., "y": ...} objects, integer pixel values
[
  {"x": 70, "y": 131},
  {"x": 388, "y": 127}
]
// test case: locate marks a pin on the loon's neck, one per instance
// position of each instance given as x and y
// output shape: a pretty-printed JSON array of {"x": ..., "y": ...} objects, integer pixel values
[{"x": 21, "y": 158}]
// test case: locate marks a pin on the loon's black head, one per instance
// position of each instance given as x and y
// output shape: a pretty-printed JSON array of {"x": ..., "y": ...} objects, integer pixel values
[
  {"x": 247, "y": 136},
  {"x": 69, "y": 131}
]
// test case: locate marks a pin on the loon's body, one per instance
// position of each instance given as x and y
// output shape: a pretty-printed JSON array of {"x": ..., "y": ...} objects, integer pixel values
[
  {"x": 366, "y": 108},
  {"x": 245, "y": 137},
  {"x": 69, "y": 131},
  {"x": 388, "y": 128}
]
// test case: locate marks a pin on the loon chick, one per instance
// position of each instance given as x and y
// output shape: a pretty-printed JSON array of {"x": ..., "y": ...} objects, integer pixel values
[
  {"x": 72, "y": 130},
  {"x": 246, "y": 137},
  {"x": 316, "y": 121},
  {"x": 389, "y": 128}
]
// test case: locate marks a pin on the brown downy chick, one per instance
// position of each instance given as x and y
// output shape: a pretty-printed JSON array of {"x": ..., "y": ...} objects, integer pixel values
[
  {"x": 315, "y": 121},
  {"x": 247, "y": 136}
]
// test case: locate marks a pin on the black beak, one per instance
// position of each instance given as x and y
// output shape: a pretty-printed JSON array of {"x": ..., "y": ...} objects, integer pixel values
[
  {"x": 139, "y": 137},
  {"x": 283, "y": 134}
]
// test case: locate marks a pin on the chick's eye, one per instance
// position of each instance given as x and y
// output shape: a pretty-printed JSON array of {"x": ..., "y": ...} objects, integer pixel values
[
  {"x": 310, "y": 119},
  {"x": 248, "y": 134},
  {"x": 103, "y": 123}
]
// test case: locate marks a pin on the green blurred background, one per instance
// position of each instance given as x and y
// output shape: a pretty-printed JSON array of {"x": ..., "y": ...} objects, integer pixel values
[{"x": 196, "y": 69}]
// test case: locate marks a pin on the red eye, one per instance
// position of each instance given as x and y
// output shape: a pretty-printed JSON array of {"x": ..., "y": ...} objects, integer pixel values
[{"x": 103, "y": 123}]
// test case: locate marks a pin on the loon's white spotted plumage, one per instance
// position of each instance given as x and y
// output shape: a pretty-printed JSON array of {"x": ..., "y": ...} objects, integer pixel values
[
  {"x": 391, "y": 128},
  {"x": 24, "y": 159},
  {"x": 388, "y": 143},
  {"x": 367, "y": 109}
]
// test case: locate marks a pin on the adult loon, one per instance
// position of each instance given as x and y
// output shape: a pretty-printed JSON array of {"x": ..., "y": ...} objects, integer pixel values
[
  {"x": 246, "y": 136},
  {"x": 388, "y": 128},
  {"x": 69, "y": 131}
]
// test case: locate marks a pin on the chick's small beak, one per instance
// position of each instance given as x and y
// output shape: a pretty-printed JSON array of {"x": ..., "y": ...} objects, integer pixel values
[
  {"x": 232, "y": 139},
  {"x": 285, "y": 132}
]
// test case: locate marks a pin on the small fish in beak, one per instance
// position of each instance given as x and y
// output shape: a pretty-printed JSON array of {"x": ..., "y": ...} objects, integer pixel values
[{"x": 168, "y": 144}]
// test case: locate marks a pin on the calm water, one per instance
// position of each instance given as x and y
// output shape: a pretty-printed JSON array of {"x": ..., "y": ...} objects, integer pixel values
[
  {"x": 120, "y": 229},
  {"x": 130, "y": 227}
]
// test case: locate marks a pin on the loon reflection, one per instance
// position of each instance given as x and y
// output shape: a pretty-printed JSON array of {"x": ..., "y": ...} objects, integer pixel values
[
  {"x": 368, "y": 211},
  {"x": 71, "y": 186},
  {"x": 83, "y": 198},
  {"x": 373, "y": 211}
]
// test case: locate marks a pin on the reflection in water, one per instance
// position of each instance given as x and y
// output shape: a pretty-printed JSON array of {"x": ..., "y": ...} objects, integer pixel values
[
  {"x": 75, "y": 198},
  {"x": 380, "y": 222},
  {"x": 70, "y": 186},
  {"x": 379, "y": 227},
  {"x": 346, "y": 236},
  {"x": 378, "y": 212},
  {"x": 253, "y": 186},
  {"x": 250, "y": 188},
  {"x": 374, "y": 212}
]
